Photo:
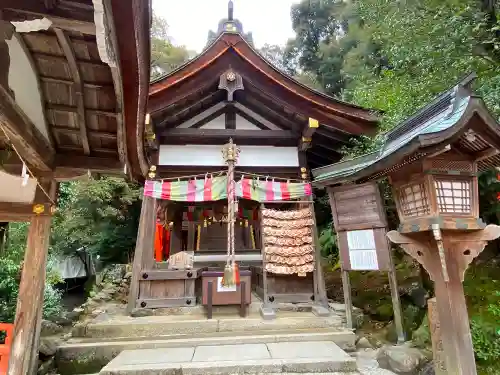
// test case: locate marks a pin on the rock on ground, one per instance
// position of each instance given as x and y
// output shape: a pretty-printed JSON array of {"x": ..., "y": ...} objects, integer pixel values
[
  {"x": 48, "y": 346},
  {"x": 402, "y": 359},
  {"x": 50, "y": 328}
]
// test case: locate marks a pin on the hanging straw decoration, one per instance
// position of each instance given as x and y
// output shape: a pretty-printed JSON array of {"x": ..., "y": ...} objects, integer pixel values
[{"x": 230, "y": 154}]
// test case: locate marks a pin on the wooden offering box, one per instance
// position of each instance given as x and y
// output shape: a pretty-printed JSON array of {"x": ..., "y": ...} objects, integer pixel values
[
  {"x": 214, "y": 294},
  {"x": 162, "y": 288}
]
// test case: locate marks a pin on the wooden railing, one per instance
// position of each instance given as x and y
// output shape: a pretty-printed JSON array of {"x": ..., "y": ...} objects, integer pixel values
[{"x": 5, "y": 348}]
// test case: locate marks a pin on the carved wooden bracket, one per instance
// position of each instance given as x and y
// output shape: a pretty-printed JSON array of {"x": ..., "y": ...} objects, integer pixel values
[
  {"x": 459, "y": 247},
  {"x": 231, "y": 81}
]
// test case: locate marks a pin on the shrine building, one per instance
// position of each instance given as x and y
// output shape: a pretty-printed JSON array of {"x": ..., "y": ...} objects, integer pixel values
[{"x": 276, "y": 129}]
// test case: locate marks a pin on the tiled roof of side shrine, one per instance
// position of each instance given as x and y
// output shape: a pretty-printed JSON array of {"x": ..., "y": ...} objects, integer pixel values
[{"x": 431, "y": 128}]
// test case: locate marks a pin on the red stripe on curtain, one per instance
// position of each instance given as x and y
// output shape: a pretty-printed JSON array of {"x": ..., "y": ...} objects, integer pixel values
[
  {"x": 245, "y": 187},
  {"x": 166, "y": 190},
  {"x": 285, "y": 194}
]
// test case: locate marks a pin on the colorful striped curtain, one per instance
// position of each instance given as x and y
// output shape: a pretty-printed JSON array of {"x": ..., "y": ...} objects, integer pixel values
[
  {"x": 202, "y": 190},
  {"x": 215, "y": 188},
  {"x": 260, "y": 191}
]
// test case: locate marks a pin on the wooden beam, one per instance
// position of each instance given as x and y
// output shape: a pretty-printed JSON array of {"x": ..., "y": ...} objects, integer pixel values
[
  {"x": 486, "y": 154},
  {"x": 273, "y": 114},
  {"x": 230, "y": 118},
  {"x": 72, "y": 16},
  {"x": 27, "y": 324},
  {"x": 279, "y": 95},
  {"x": 65, "y": 44},
  {"x": 75, "y": 148},
  {"x": 87, "y": 85},
  {"x": 62, "y": 59},
  {"x": 25, "y": 137},
  {"x": 195, "y": 136},
  {"x": 332, "y": 134},
  {"x": 208, "y": 118},
  {"x": 172, "y": 112},
  {"x": 92, "y": 133},
  {"x": 89, "y": 111},
  {"x": 251, "y": 120}
]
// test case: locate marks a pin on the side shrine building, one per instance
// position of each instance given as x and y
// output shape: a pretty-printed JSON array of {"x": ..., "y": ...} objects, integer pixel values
[{"x": 232, "y": 139}]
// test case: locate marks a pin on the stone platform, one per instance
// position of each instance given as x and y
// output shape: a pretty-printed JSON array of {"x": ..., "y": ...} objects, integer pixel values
[
  {"x": 283, "y": 357},
  {"x": 97, "y": 343}
]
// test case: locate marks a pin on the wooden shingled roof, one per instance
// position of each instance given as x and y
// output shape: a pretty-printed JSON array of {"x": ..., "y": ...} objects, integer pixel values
[
  {"x": 268, "y": 93},
  {"x": 91, "y": 64}
]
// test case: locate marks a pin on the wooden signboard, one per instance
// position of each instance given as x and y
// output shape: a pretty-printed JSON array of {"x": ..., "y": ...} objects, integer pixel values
[
  {"x": 361, "y": 226},
  {"x": 359, "y": 219}
]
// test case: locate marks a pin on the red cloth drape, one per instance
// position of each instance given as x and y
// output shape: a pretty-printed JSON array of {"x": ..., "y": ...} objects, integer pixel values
[{"x": 162, "y": 243}]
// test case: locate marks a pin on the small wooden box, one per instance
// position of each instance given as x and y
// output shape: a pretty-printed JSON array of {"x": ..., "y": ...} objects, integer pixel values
[{"x": 223, "y": 297}]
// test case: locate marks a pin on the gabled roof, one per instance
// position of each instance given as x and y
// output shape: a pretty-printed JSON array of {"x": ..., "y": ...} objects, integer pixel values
[
  {"x": 235, "y": 42},
  {"x": 268, "y": 92},
  {"x": 440, "y": 123}
]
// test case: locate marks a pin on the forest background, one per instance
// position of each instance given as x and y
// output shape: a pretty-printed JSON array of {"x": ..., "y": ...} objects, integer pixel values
[{"x": 394, "y": 56}]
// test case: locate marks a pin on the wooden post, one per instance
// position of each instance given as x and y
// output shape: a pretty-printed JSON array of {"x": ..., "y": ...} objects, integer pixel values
[
  {"x": 346, "y": 285},
  {"x": 396, "y": 305},
  {"x": 144, "y": 248},
  {"x": 437, "y": 342},
  {"x": 459, "y": 249},
  {"x": 27, "y": 324},
  {"x": 320, "y": 296}
]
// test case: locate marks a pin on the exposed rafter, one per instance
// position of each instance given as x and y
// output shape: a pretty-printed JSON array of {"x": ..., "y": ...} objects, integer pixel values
[
  {"x": 202, "y": 136},
  {"x": 68, "y": 108},
  {"x": 74, "y": 16},
  {"x": 251, "y": 119},
  {"x": 65, "y": 44}
]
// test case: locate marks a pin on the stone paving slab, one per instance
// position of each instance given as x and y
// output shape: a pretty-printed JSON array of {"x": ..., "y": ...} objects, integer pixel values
[
  {"x": 230, "y": 352},
  {"x": 287, "y": 357}
]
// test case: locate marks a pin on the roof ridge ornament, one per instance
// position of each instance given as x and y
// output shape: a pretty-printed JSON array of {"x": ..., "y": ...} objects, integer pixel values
[{"x": 230, "y": 10}]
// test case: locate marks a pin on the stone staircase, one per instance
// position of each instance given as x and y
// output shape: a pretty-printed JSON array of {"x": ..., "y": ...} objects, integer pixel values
[{"x": 93, "y": 348}]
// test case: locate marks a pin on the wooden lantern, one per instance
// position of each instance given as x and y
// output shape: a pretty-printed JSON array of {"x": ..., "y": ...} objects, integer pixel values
[{"x": 438, "y": 191}]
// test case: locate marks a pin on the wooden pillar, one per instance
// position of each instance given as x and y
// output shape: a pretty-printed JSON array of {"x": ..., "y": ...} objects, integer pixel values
[
  {"x": 437, "y": 342},
  {"x": 144, "y": 248},
  {"x": 27, "y": 324},
  {"x": 460, "y": 248}
]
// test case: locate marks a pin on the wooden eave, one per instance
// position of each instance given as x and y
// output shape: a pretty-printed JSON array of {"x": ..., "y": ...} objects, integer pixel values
[
  {"x": 94, "y": 111},
  {"x": 231, "y": 50}
]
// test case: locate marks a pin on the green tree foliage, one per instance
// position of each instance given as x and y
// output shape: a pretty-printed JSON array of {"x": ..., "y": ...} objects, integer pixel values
[
  {"x": 100, "y": 215},
  {"x": 165, "y": 56},
  {"x": 11, "y": 261}
]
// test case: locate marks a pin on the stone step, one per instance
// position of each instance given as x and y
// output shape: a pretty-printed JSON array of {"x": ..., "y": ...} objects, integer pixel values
[
  {"x": 90, "y": 356},
  {"x": 281, "y": 357},
  {"x": 153, "y": 326}
]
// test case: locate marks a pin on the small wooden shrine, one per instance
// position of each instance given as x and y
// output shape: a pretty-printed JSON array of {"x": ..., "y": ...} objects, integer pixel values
[
  {"x": 73, "y": 89},
  {"x": 230, "y": 98},
  {"x": 432, "y": 161}
]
